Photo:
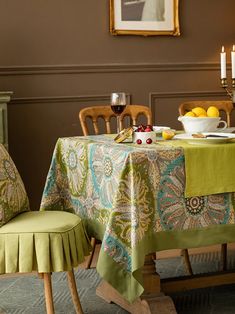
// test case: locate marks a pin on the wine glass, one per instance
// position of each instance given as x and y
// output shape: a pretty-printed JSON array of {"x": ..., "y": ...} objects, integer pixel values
[{"x": 118, "y": 104}]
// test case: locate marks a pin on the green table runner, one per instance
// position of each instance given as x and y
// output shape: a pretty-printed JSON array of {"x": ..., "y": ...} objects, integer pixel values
[{"x": 210, "y": 169}]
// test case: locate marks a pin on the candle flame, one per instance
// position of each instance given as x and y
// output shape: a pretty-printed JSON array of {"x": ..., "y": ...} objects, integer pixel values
[
  {"x": 222, "y": 49},
  {"x": 233, "y": 47}
]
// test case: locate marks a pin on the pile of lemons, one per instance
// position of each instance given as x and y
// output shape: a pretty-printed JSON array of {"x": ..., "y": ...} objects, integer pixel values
[{"x": 212, "y": 111}]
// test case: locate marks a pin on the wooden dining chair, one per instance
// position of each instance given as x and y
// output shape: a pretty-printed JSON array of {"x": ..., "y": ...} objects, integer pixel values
[
  {"x": 225, "y": 106},
  {"x": 37, "y": 241},
  {"x": 106, "y": 113}
]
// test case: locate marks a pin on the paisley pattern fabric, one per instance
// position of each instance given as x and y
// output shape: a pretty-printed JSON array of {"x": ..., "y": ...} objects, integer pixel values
[
  {"x": 13, "y": 198},
  {"x": 105, "y": 169},
  {"x": 177, "y": 212},
  {"x": 130, "y": 191},
  {"x": 128, "y": 194}
]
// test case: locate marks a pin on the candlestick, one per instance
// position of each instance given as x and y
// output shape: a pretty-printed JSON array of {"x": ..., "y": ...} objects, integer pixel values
[
  {"x": 230, "y": 92},
  {"x": 223, "y": 63}
]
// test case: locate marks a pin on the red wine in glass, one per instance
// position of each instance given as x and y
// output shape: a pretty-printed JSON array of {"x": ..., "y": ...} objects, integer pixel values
[
  {"x": 118, "y": 109},
  {"x": 118, "y": 104}
]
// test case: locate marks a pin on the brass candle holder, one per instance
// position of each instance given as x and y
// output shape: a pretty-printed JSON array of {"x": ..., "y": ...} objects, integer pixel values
[{"x": 230, "y": 92}]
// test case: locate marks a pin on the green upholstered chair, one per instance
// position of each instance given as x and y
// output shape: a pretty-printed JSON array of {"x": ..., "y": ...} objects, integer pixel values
[{"x": 45, "y": 242}]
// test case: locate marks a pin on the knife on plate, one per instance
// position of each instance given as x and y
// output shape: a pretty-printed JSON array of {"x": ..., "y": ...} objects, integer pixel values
[{"x": 199, "y": 135}]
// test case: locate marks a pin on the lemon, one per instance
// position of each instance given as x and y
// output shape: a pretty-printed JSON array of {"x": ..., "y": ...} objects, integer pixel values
[
  {"x": 199, "y": 111},
  {"x": 168, "y": 134},
  {"x": 212, "y": 111},
  {"x": 190, "y": 114},
  {"x": 202, "y": 116}
]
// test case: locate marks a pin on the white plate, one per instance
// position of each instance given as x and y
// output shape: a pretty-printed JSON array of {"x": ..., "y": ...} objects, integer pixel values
[
  {"x": 159, "y": 129},
  {"x": 207, "y": 140},
  {"x": 227, "y": 130}
]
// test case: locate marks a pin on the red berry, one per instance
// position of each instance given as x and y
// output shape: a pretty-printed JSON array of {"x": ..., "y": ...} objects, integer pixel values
[
  {"x": 149, "y": 127},
  {"x": 139, "y": 141},
  {"x": 149, "y": 141},
  {"x": 148, "y": 130}
]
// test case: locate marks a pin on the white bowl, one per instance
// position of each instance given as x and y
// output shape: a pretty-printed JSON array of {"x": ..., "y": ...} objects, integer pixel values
[
  {"x": 202, "y": 124},
  {"x": 144, "y": 136}
]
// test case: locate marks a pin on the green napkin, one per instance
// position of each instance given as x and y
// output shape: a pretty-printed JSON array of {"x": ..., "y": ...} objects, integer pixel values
[{"x": 209, "y": 169}]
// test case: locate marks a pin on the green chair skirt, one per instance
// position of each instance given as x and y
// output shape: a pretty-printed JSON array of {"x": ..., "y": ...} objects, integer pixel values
[{"x": 47, "y": 241}]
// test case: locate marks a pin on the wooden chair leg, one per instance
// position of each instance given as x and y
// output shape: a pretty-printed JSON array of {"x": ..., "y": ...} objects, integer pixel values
[
  {"x": 48, "y": 293},
  {"x": 224, "y": 256},
  {"x": 185, "y": 255},
  {"x": 90, "y": 257},
  {"x": 74, "y": 292}
]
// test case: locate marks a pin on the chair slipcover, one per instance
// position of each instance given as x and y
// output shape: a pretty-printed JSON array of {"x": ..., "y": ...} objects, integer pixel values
[{"x": 48, "y": 241}]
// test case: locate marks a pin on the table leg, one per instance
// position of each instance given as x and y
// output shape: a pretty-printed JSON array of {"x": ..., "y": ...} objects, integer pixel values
[
  {"x": 224, "y": 254},
  {"x": 151, "y": 302}
]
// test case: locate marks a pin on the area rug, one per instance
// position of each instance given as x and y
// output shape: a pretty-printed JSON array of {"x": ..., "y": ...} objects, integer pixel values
[{"x": 25, "y": 295}]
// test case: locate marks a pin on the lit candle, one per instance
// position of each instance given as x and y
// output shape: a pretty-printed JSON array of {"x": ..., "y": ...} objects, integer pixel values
[
  {"x": 223, "y": 63},
  {"x": 233, "y": 61}
]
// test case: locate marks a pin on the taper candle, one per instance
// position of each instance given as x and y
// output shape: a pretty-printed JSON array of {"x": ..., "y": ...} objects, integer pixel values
[
  {"x": 233, "y": 62},
  {"x": 223, "y": 63}
]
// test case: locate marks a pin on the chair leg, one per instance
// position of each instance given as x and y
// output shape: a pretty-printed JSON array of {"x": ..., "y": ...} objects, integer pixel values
[
  {"x": 90, "y": 257},
  {"x": 224, "y": 256},
  {"x": 185, "y": 255},
  {"x": 74, "y": 292},
  {"x": 48, "y": 293}
]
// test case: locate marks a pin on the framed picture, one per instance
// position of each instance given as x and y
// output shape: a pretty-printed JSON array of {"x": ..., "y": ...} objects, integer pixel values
[{"x": 144, "y": 17}]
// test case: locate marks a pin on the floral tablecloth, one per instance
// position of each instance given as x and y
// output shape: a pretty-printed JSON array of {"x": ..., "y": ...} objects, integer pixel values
[{"x": 132, "y": 198}]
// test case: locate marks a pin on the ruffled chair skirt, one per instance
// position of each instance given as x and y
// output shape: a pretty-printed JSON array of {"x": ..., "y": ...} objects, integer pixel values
[{"x": 48, "y": 241}]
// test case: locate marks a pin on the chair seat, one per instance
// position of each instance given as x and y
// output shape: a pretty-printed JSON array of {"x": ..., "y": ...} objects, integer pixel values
[{"x": 48, "y": 241}]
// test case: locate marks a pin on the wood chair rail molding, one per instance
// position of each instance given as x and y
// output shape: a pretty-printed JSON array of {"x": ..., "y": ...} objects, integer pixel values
[{"x": 48, "y": 69}]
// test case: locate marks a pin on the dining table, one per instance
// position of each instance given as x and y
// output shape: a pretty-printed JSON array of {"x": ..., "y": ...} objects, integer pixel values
[{"x": 142, "y": 199}]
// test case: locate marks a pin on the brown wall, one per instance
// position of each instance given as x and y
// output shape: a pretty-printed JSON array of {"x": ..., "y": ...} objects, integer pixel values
[{"x": 57, "y": 56}]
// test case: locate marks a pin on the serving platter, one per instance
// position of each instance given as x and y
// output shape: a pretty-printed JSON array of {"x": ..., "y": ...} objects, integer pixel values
[{"x": 210, "y": 138}]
